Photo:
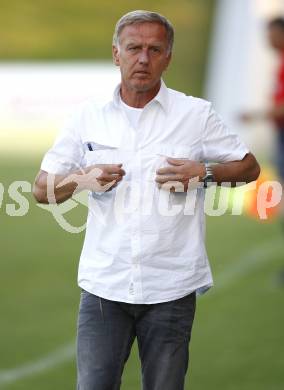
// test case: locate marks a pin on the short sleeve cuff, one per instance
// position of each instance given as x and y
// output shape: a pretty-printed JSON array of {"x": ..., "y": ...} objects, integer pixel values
[
  {"x": 57, "y": 166},
  {"x": 236, "y": 155}
]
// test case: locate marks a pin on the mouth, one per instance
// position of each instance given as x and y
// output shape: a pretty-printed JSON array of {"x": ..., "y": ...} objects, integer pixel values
[{"x": 142, "y": 73}]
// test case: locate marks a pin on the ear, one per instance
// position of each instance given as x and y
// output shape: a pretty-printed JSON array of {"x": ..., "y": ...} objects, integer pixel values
[
  {"x": 169, "y": 57},
  {"x": 115, "y": 55}
]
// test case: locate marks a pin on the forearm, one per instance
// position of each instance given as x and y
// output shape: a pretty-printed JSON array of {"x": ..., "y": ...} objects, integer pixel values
[
  {"x": 243, "y": 171},
  {"x": 47, "y": 188},
  {"x": 50, "y": 188},
  {"x": 277, "y": 112},
  {"x": 272, "y": 114},
  {"x": 184, "y": 171}
]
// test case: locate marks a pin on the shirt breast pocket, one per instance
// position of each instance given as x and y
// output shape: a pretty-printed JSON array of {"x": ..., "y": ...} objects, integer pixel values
[
  {"x": 102, "y": 156},
  {"x": 174, "y": 151},
  {"x": 180, "y": 152}
]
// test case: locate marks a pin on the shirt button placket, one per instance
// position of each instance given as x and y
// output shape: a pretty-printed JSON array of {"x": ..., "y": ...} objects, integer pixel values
[{"x": 135, "y": 238}]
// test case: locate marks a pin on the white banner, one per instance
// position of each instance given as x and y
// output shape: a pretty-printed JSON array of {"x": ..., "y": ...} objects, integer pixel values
[{"x": 36, "y": 98}]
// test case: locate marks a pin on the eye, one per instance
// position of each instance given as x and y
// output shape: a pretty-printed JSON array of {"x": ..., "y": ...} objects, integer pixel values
[
  {"x": 133, "y": 48},
  {"x": 155, "y": 49}
]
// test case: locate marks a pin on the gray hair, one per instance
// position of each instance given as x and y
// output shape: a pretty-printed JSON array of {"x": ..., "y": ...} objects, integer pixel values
[{"x": 140, "y": 16}]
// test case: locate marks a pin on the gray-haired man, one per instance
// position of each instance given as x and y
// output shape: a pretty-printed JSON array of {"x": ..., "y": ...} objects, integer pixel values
[{"x": 139, "y": 278}]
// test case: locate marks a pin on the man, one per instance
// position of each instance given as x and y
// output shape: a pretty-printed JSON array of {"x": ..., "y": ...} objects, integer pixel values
[
  {"x": 139, "y": 274},
  {"x": 275, "y": 113}
]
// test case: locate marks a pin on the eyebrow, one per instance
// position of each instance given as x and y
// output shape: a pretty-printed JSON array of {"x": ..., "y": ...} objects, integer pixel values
[
  {"x": 156, "y": 44},
  {"x": 133, "y": 44}
]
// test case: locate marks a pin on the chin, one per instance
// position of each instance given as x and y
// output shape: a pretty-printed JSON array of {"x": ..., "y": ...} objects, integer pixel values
[
  {"x": 143, "y": 85},
  {"x": 140, "y": 87}
]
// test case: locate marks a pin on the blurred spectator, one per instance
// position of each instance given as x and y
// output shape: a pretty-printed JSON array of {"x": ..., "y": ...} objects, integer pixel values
[{"x": 275, "y": 113}]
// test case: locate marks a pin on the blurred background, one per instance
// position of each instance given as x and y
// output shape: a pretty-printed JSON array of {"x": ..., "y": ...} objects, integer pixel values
[{"x": 55, "y": 54}]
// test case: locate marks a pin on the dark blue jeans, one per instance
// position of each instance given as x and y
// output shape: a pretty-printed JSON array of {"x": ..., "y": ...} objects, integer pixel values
[
  {"x": 107, "y": 329},
  {"x": 280, "y": 153}
]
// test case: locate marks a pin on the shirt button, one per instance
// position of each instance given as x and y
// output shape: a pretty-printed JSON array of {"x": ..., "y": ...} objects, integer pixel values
[{"x": 131, "y": 289}]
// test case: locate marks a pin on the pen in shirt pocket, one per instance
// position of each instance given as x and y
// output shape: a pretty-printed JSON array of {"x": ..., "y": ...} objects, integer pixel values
[
  {"x": 93, "y": 146},
  {"x": 88, "y": 147}
]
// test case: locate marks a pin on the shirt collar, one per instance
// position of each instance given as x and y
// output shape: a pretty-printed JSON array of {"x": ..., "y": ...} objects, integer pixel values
[{"x": 162, "y": 96}]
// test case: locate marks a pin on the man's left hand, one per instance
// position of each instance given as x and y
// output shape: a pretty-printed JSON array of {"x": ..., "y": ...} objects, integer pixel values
[{"x": 181, "y": 171}]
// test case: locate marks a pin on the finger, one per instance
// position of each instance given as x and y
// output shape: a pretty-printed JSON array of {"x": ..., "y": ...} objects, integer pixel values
[
  {"x": 99, "y": 170},
  {"x": 114, "y": 168},
  {"x": 117, "y": 178},
  {"x": 109, "y": 177},
  {"x": 167, "y": 178},
  {"x": 166, "y": 170},
  {"x": 120, "y": 172},
  {"x": 113, "y": 171},
  {"x": 175, "y": 161},
  {"x": 113, "y": 165},
  {"x": 107, "y": 186}
]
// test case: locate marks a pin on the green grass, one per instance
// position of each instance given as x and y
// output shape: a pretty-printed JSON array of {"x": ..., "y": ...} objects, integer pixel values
[
  {"x": 69, "y": 30},
  {"x": 237, "y": 341}
]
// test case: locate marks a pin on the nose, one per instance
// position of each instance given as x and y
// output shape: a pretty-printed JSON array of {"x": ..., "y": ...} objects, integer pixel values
[{"x": 143, "y": 57}]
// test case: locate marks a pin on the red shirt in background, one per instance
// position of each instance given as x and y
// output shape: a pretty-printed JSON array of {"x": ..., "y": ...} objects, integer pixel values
[{"x": 278, "y": 96}]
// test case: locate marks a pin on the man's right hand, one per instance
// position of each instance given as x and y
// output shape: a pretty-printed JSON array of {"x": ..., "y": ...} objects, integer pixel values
[
  {"x": 50, "y": 188},
  {"x": 99, "y": 178}
]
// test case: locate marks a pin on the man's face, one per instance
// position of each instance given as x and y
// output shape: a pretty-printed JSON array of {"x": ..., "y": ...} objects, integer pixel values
[
  {"x": 276, "y": 38},
  {"x": 142, "y": 55}
]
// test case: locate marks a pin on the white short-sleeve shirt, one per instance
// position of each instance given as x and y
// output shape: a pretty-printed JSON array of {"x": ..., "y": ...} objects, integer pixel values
[{"x": 141, "y": 243}]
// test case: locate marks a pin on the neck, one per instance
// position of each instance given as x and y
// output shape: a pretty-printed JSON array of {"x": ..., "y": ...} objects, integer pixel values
[{"x": 138, "y": 99}]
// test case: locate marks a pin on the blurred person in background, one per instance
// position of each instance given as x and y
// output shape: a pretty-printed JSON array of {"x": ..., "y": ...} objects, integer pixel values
[
  {"x": 139, "y": 277},
  {"x": 275, "y": 113}
]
